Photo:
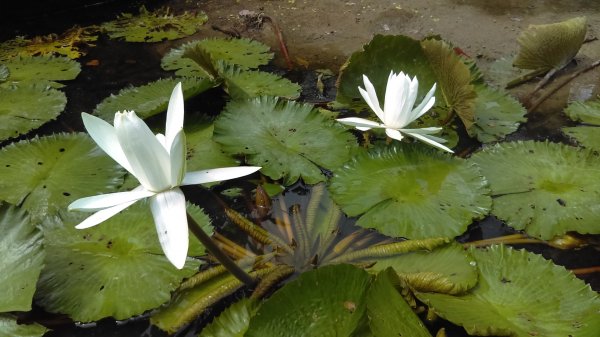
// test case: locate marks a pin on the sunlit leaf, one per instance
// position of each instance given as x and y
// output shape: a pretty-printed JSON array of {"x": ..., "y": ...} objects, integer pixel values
[
  {"x": 411, "y": 191},
  {"x": 22, "y": 258},
  {"x": 27, "y": 107},
  {"x": 253, "y": 83},
  {"x": 588, "y": 113},
  {"x": 586, "y": 136},
  {"x": 545, "y": 189},
  {"x": 326, "y": 302},
  {"x": 42, "y": 68},
  {"x": 496, "y": 114},
  {"x": 550, "y": 46},
  {"x": 288, "y": 139},
  {"x": 4, "y": 73},
  {"x": 149, "y": 99},
  {"x": 155, "y": 26},
  {"x": 10, "y": 328},
  {"x": 521, "y": 294},
  {"x": 114, "y": 269},
  {"x": 45, "y": 174},
  {"x": 233, "y": 322}
]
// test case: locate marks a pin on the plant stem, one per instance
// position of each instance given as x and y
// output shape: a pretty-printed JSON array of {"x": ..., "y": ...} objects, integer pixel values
[{"x": 209, "y": 244}]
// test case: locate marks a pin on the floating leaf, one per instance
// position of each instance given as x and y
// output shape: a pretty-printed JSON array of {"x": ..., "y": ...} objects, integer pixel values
[
  {"x": 233, "y": 322},
  {"x": 521, "y": 294},
  {"x": 449, "y": 270},
  {"x": 149, "y": 99},
  {"x": 114, "y": 269},
  {"x": 154, "y": 26},
  {"x": 22, "y": 258},
  {"x": 496, "y": 114},
  {"x": 587, "y": 136},
  {"x": 288, "y": 139},
  {"x": 202, "y": 151},
  {"x": 411, "y": 191},
  {"x": 501, "y": 71},
  {"x": 453, "y": 78},
  {"x": 546, "y": 189},
  {"x": 249, "y": 84},
  {"x": 551, "y": 46},
  {"x": 10, "y": 328},
  {"x": 245, "y": 53},
  {"x": 42, "y": 68},
  {"x": 587, "y": 113},
  {"x": 27, "y": 107},
  {"x": 45, "y": 174},
  {"x": 4, "y": 72},
  {"x": 326, "y": 302}
]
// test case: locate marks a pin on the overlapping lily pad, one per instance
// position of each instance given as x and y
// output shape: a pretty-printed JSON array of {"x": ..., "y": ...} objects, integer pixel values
[
  {"x": 411, "y": 191},
  {"x": 71, "y": 44},
  {"x": 27, "y": 107},
  {"x": 521, "y": 294},
  {"x": 116, "y": 268},
  {"x": 202, "y": 151},
  {"x": 289, "y": 140},
  {"x": 10, "y": 328},
  {"x": 42, "y": 68},
  {"x": 22, "y": 258},
  {"x": 155, "y": 26},
  {"x": 496, "y": 114},
  {"x": 588, "y": 132},
  {"x": 45, "y": 174},
  {"x": 233, "y": 322},
  {"x": 150, "y": 99},
  {"x": 252, "y": 83},
  {"x": 543, "y": 188}
]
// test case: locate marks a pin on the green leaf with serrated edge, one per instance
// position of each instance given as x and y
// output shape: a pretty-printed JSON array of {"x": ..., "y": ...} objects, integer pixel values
[
  {"x": 496, "y": 114},
  {"x": 149, "y": 99},
  {"x": 389, "y": 314},
  {"x": 155, "y": 26},
  {"x": 411, "y": 191},
  {"x": 10, "y": 328},
  {"x": 202, "y": 151},
  {"x": 546, "y": 189},
  {"x": 39, "y": 68},
  {"x": 22, "y": 258},
  {"x": 245, "y": 53},
  {"x": 520, "y": 294},
  {"x": 587, "y": 112},
  {"x": 586, "y": 136},
  {"x": 233, "y": 322},
  {"x": 116, "y": 268},
  {"x": 288, "y": 140},
  {"x": 550, "y": 46},
  {"x": 46, "y": 174},
  {"x": 326, "y": 302},
  {"x": 453, "y": 78},
  {"x": 27, "y": 107},
  {"x": 449, "y": 270},
  {"x": 384, "y": 53},
  {"x": 248, "y": 84}
]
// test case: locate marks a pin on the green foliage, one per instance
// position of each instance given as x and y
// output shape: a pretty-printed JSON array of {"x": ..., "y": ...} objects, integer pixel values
[
  {"x": 506, "y": 302},
  {"x": 588, "y": 114},
  {"x": 67, "y": 44},
  {"x": 32, "y": 69},
  {"x": 10, "y": 328},
  {"x": 496, "y": 114},
  {"x": 288, "y": 139},
  {"x": 154, "y": 26},
  {"x": 233, "y": 322},
  {"x": 202, "y": 151},
  {"x": 242, "y": 85}
]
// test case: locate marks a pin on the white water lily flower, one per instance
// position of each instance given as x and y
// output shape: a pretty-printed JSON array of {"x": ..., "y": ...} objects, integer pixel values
[
  {"x": 158, "y": 162},
  {"x": 398, "y": 112}
]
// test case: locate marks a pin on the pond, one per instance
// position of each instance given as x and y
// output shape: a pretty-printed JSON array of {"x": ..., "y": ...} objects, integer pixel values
[{"x": 346, "y": 231}]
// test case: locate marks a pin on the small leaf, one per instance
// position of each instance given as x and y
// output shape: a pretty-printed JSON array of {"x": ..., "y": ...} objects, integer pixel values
[
  {"x": 233, "y": 322},
  {"x": 42, "y": 68},
  {"x": 4, "y": 73},
  {"x": 10, "y": 328},
  {"x": 588, "y": 113},
  {"x": 202, "y": 151},
  {"x": 249, "y": 84},
  {"x": 496, "y": 114}
]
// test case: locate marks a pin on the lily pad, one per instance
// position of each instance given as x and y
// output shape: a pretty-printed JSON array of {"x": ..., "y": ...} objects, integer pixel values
[
  {"x": 149, "y": 99},
  {"x": 521, "y": 294},
  {"x": 496, "y": 114},
  {"x": 326, "y": 302},
  {"x": 551, "y": 46},
  {"x": 22, "y": 258},
  {"x": 114, "y": 269},
  {"x": 587, "y": 134},
  {"x": 10, "y": 328},
  {"x": 546, "y": 189},
  {"x": 233, "y": 322},
  {"x": 411, "y": 191},
  {"x": 202, "y": 151},
  {"x": 245, "y": 53},
  {"x": 288, "y": 139},
  {"x": 42, "y": 68},
  {"x": 27, "y": 107},
  {"x": 4, "y": 72},
  {"x": 252, "y": 83},
  {"x": 45, "y": 174},
  {"x": 154, "y": 26}
]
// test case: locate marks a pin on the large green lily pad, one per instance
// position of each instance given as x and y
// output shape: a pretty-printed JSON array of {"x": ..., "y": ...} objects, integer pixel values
[
  {"x": 544, "y": 188},
  {"x": 202, "y": 151},
  {"x": 116, "y": 268},
  {"x": 496, "y": 114},
  {"x": 27, "y": 107},
  {"x": 520, "y": 294},
  {"x": 588, "y": 114},
  {"x": 411, "y": 191},
  {"x": 22, "y": 259},
  {"x": 288, "y": 139},
  {"x": 233, "y": 322},
  {"x": 42, "y": 68},
  {"x": 45, "y": 174},
  {"x": 246, "y": 84},
  {"x": 10, "y": 328}
]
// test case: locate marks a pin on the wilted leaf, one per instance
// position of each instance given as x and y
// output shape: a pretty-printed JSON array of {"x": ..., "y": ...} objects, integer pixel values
[{"x": 68, "y": 44}]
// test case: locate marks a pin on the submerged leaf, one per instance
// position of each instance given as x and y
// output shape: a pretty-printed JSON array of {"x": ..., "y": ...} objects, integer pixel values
[
  {"x": 233, "y": 322},
  {"x": 253, "y": 83},
  {"x": 10, "y": 328},
  {"x": 546, "y": 189},
  {"x": 411, "y": 191},
  {"x": 288, "y": 139},
  {"x": 496, "y": 114},
  {"x": 551, "y": 46},
  {"x": 521, "y": 294},
  {"x": 42, "y": 68}
]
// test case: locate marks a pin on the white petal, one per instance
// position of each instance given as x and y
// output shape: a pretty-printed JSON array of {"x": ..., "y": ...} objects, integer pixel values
[
  {"x": 174, "y": 115},
  {"x": 177, "y": 153},
  {"x": 98, "y": 202},
  {"x": 218, "y": 174},
  {"x": 395, "y": 95},
  {"x": 425, "y": 105},
  {"x": 370, "y": 96},
  {"x": 407, "y": 109},
  {"x": 148, "y": 158},
  {"x": 395, "y": 134},
  {"x": 105, "y": 136},
  {"x": 427, "y": 139},
  {"x": 103, "y": 215},
  {"x": 170, "y": 218},
  {"x": 360, "y": 123}
]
